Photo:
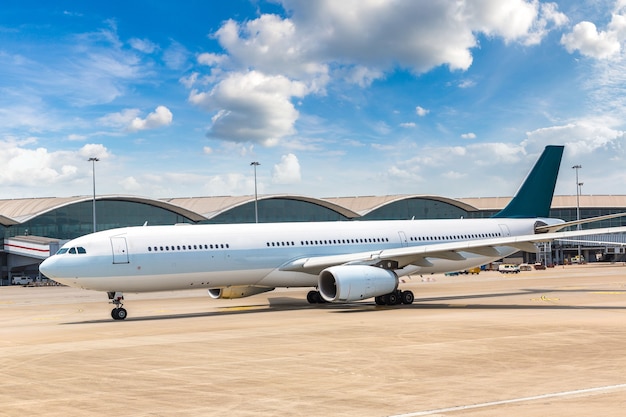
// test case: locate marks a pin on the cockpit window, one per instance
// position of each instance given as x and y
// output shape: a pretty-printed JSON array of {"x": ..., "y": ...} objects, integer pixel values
[{"x": 75, "y": 250}]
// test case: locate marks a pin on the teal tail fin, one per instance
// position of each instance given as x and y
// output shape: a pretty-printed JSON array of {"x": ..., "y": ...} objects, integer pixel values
[{"x": 534, "y": 197}]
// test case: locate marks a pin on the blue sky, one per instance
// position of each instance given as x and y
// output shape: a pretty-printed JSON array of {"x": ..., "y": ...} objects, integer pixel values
[{"x": 358, "y": 97}]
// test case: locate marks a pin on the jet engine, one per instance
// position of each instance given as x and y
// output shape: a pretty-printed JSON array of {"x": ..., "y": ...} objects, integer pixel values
[
  {"x": 347, "y": 283},
  {"x": 237, "y": 291}
]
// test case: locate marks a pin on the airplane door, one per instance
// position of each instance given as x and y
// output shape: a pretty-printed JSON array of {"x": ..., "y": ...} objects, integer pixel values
[
  {"x": 120, "y": 250},
  {"x": 403, "y": 240},
  {"x": 505, "y": 230}
]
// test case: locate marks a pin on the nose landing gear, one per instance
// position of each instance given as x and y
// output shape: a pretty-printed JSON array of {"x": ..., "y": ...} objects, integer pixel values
[{"x": 117, "y": 299}]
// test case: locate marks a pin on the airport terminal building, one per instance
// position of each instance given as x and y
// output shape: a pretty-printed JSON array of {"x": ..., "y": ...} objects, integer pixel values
[{"x": 33, "y": 229}]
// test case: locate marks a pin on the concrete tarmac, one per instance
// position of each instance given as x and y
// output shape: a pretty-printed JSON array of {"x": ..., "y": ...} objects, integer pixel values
[{"x": 538, "y": 343}]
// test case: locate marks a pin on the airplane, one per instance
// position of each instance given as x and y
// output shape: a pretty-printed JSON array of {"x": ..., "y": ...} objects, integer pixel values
[{"x": 343, "y": 261}]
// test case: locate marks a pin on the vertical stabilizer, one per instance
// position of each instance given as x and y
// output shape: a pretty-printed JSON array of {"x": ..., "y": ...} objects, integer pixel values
[{"x": 534, "y": 197}]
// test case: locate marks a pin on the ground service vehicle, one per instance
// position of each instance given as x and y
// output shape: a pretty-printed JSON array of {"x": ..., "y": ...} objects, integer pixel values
[{"x": 508, "y": 269}]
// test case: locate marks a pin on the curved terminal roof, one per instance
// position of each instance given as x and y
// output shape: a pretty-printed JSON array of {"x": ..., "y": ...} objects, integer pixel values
[
  {"x": 16, "y": 211},
  {"x": 211, "y": 207},
  {"x": 368, "y": 204},
  {"x": 21, "y": 210}
]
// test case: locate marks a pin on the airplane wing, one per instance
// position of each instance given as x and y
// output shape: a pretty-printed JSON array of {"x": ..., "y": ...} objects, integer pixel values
[
  {"x": 595, "y": 242},
  {"x": 559, "y": 226},
  {"x": 419, "y": 255}
]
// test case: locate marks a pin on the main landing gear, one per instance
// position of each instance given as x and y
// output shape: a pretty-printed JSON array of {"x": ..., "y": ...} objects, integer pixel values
[
  {"x": 393, "y": 298},
  {"x": 314, "y": 297},
  {"x": 117, "y": 299}
]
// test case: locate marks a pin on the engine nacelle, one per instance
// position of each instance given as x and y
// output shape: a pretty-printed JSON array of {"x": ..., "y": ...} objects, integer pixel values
[
  {"x": 237, "y": 291},
  {"x": 355, "y": 282}
]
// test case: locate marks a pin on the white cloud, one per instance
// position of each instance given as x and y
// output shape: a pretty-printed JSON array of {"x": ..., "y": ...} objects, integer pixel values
[
  {"x": 120, "y": 119},
  {"x": 94, "y": 150},
  {"x": 251, "y": 107},
  {"x": 420, "y": 111},
  {"x": 161, "y": 116},
  {"x": 514, "y": 20},
  {"x": 26, "y": 167},
  {"x": 143, "y": 45},
  {"x": 496, "y": 153},
  {"x": 287, "y": 171},
  {"x": 211, "y": 59},
  {"x": 76, "y": 137},
  {"x": 229, "y": 184},
  {"x": 408, "y": 125},
  {"x": 409, "y": 174},
  {"x": 586, "y": 39},
  {"x": 272, "y": 45},
  {"x": 130, "y": 185},
  {"x": 176, "y": 56},
  {"x": 356, "y": 41},
  {"x": 363, "y": 76},
  {"x": 469, "y": 135},
  {"x": 581, "y": 137}
]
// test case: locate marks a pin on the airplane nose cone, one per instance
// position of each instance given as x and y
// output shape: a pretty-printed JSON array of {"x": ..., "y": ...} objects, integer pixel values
[{"x": 47, "y": 268}]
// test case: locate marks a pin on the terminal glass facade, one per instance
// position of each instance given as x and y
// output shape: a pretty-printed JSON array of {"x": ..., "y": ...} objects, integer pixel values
[
  {"x": 418, "y": 208},
  {"x": 278, "y": 210},
  {"x": 75, "y": 220}
]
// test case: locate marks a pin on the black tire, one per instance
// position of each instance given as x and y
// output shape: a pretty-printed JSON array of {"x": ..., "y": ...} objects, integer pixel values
[
  {"x": 121, "y": 313},
  {"x": 407, "y": 297},
  {"x": 314, "y": 297},
  {"x": 380, "y": 300},
  {"x": 391, "y": 299}
]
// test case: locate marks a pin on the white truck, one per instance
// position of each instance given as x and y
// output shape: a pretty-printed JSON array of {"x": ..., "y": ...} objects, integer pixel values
[
  {"x": 509, "y": 269},
  {"x": 21, "y": 280}
]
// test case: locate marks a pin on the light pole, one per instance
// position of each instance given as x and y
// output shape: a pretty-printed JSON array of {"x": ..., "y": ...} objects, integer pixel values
[
  {"x": 256, "y": 203},
  {"x": 93, "y": 161},
  {"x": 578, "y": 186}
]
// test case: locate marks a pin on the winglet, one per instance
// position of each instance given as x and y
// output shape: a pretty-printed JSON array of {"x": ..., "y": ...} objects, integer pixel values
[{"x": 534, "y": 197}]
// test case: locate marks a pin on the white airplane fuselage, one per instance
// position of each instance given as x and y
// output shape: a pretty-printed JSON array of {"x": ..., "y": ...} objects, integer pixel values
[{"x": 163, "y": 258}]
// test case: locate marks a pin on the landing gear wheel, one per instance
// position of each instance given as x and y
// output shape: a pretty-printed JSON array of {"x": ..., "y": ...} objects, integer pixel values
[
  {"x": 119, "y": 313},
  {"x": 117, "y": 299},
  {"x": 407, "y": 297},
  {"x": 380, "y": 300},
  {"x": 391, "y": 299},
  {"x": 313, "y": 297}
]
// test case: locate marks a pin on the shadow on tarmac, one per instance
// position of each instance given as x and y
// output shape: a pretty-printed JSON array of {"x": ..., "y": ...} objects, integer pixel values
[{"x": 297, "y": 304}]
